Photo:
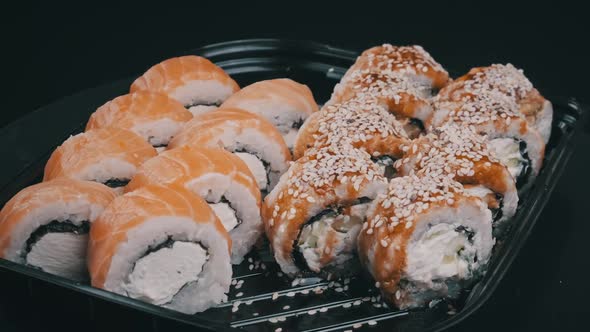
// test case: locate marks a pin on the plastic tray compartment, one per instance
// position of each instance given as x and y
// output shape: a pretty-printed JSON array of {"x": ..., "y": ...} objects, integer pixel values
[{"x": 268, "y": 300}]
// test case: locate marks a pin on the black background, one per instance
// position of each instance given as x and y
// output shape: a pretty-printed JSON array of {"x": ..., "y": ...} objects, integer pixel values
[{"x": 56, "y": 50}]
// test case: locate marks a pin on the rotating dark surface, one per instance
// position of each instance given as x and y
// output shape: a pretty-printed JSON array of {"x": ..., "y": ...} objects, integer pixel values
[{"x": 72, "y": 49}]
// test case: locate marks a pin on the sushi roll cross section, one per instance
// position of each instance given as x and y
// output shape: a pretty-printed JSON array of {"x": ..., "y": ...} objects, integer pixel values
[
  {"x": 107, "y": 155},
  {"x": 313, "y": 216},
  {"x": 425, "y": 239},
  {"x": 362, "y": 123},
  {"x": 517, "y": 145},
  {"x": 162, "y": 245},
  {"x": 194, "y": 81},
  {"x": 219, "y": 177},
  {"x": 46, "y": 225},
  {"x": 464, "y": 154},
  {"x": 412, "y": 60},
  {"x": 405, "y": 96},
  {"x": 283, "y": 102},
  {"x": 151, "y": 115},
  {"x": 512, "y": 83},
  {"x": 249, "y": 136}
]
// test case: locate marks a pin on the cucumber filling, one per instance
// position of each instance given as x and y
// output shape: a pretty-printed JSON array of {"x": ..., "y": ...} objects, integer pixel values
[
  {"x": 164, "y": 270},
  {"x": 327, "y": 242},
  {"x": 59, "y": 248}
]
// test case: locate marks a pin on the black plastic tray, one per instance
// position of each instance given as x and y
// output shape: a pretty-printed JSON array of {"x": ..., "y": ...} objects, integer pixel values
[{"x": 32, "y": 138}]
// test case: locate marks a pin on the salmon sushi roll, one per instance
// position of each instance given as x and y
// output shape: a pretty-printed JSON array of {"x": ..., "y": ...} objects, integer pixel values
[
  {"x": 46, "y": 225},
  {"x": 425, "y": 239},
  {"x": 464, "y": 154},
  {"x": 364, "y": 124},
  {"x": 313, "y": 216},
  {"x": 405, "y": 96},
  {"x": 151, "y": 115},
  {"x": 412, "y": 60},
  {"x": 511, "y": 82},
  {"x": 514, "y": 142},
  {"x": 220, "y": 178},
  {"x": 107, "y": 155},
  {"x": 194, "y": 81},
  {"x": 161, "y": 245},
  {"x": 249, "y": 136},
  {"x": 283, "y": 102}
]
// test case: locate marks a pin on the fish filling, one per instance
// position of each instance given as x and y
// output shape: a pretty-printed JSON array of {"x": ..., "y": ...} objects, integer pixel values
[
  {"x": 226, "y": 213},
  {"x": 164, "y": 270},
  {"x": 514, "y": 155},
  {"x": 259, "y": 168},
  {"x": 385, "y": 164},
  {"x": 439, "y": 263},
  {"x": 59, "y": 248},
  {"x": 327, "y": 242}
]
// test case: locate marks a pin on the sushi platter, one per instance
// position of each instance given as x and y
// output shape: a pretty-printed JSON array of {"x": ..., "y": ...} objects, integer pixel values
[{"x": 276, "y": 185}]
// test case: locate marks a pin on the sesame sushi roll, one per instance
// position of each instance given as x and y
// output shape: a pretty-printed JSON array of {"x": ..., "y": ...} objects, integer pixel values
[
  {"x": 364, "y": 124},
  {"x": 425, "y": 239},
  {"x": 249, "y": 136},
  {"x": 462, "y": 153},
  {"x": 514, "y": 142},
  {"x": 412, "y": 60},
  {"x": 283, "y": 102},
  {"x": 220, "y": 178},
  {"x": 511, "y": 82},
  {"x": 405, "y": 96},
  {"x": 151, "y": 115},
  {"x": 194, "y": 81},
  {"x": 107, "y": 155},
  {"x": 313, "y": 216},
  {"x": 46, "y": 225},
  {"x": 163, "y": 246}
]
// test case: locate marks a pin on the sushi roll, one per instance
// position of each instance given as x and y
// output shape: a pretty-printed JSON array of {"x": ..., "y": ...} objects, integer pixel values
[
  {"x": 413, "y": 60},
  {"x": 425, "y": 239},
  {"x": 313, "y": 216},
  {"x": 151, "y": 115},
  {"x": 511, "y": 82},
  {"x": 192, "y": 80},
  {"x": 46, "y": 225},
  {"x": 283, "y": 102},
  {"x": 220, "y": 178},
  {"x": 516, "y": 144},
  {"x": 107, "y": 155},
  {"x": 364, "y": 124},
  {"x": 462, "y": 153},
  {"x": 251, "y": 137},
  {"x": 161, "y": 245},
  {"x": 405, "y": 96}
]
